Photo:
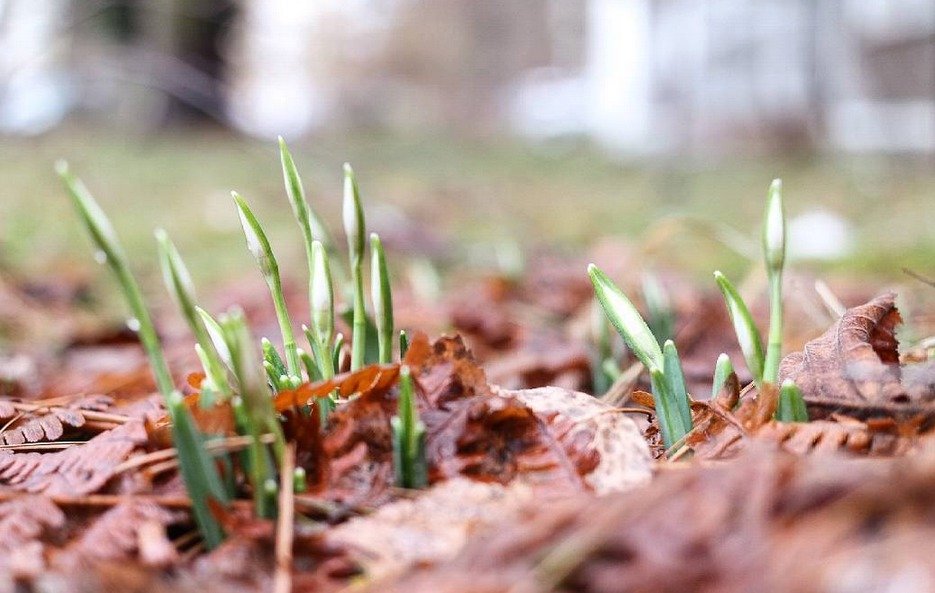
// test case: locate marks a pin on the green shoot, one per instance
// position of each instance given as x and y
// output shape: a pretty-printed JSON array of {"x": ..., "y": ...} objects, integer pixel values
[
  {"x": 336, "y": 352},
  {"x": 216, "y": 333},
  {"x": 322, "y": 303},
  {"x": 722, "y": 370},
  {"x": 198, "y": 470},
  {"x": 791, "y": 406},
  {"x": 409, "y": 461},
  {"x": 774, "y": 254},
  {"x": 259, "y": 417},
  {"x": 110, "y": 252},
  {"x": 260, "y": 248},
  {"x": 354, "y": 228},
  {"x": 604, "y": 367},
  {"x": 670, "y": 419},
  {"x": 668, "y": 384},
  {"x": 403, "y": 344},
  {"x": 751, "y": 344},
  {"x": 180, "y": 286},
  {"x": 309, "y": 222},
  {"x": 382, "y": 296},
  {"x": 626, "y": 319},
  {"x": 675, "y": 382},
  {"x": 660, "y": 318}
]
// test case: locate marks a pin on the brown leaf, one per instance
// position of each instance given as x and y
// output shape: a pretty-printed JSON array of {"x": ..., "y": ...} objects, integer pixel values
[
  {"x": 121, "y": 533},
  {"x": 767, "y": 522},
  {"x": 854, "y": 367},
  {"x": 23, "y": 522},
  {"x": 552, "y": 438},
  {"x": 47, "y": 423},
  {"x": 78, "y": 470}
]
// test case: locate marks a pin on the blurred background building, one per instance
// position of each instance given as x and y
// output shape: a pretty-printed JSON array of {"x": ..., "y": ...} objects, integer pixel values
[{"x": 637, "y": 76}]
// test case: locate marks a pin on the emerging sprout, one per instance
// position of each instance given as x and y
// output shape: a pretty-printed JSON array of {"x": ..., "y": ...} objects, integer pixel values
[
  {"x": 258, "y": 415},
  {"x": 198, "y": 470},
  {"x": 409, "y": 461},
  {"x": 626, "y": 319},
  {"x": 382, "y": 296},
  {"x": 665, "y": 371},
  {"x": 180, "y": 286},
  {"x": 322, "y": 299},
  {"x": 403, "y": 344},
  {"x": 675, "y": 382},
  {"x": 722, "y": 370},
  {"x": 354, "y": 228},
  {"x": 259, "y": 246},
  {"x": 791, "y": 406},
  {"x": 774, "y": 254},
  {"x": 751, "y": 344},
  {"x": 660, "y": 319}
]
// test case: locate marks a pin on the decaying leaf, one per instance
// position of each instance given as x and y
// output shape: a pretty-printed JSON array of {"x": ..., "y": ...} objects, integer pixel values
[
  {"x": 33, "y": 423},
  {"x": 612, "y": 454},
  {"x": 854, "y": 367},
  {"x": 78, "y": 470},
  {"x": 550, "y": 438},
  {"x": 134, "y": 529},
  {"x": 430, "y": 528},
  {"x": 23, "y": 522},
  {"x": 767, "y": 522}
]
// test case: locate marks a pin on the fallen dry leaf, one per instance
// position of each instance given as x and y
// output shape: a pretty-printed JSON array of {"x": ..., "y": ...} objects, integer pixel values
[{"x": 854, "y": 367}]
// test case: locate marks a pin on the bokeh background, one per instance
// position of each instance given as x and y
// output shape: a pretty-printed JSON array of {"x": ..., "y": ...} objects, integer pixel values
[{"x": 478, "y": 127}]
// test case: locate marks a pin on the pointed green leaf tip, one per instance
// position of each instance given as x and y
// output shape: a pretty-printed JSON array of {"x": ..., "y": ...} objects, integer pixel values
[
  {"x": 353, "y": 215},
  {"x": 626, "y": 319},
  {"x": 99, "y": 227},
  {"x": 751, "y": 344},
  {"x": 723, "y": 369},
  {"x": 774, "y": 229},
  {"x": 294, "y": 189},
  {"x": 791, "y": 406},
  {"x": 257, "y": 242}
]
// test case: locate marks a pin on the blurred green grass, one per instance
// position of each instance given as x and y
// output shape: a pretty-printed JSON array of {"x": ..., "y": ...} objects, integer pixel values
[{"x": 561, "y": 194}]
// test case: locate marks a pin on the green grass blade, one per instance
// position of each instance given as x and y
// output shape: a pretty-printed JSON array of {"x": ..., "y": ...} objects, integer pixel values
[
  {"x": 626, "y": 319},
  {"x": 791, "y": 406},
  {"x": 260, "y": 247},
  {"x": 751, "y": 344},
  {"x": 382, "y": 297}
]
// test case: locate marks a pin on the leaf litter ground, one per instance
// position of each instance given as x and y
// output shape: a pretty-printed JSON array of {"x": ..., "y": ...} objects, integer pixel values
[{"x": 534, "y": 485}]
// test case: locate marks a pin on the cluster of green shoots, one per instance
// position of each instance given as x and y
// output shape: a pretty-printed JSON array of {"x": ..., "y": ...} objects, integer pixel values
[
  {"x": 670, "y": 396},
  {"x": 244, "y": 377}
]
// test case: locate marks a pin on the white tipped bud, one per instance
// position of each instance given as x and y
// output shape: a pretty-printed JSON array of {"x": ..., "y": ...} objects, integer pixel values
[
  {"x": 774, "y": 229},
  {"x": 322, "y": 294},
  {"x": 353, "y": 214}
]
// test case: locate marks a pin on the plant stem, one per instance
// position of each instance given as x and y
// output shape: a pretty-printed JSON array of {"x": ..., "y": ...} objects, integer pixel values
[
  {"x": 774, "y": 344},
  {"x": 382, "y": 296}
]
